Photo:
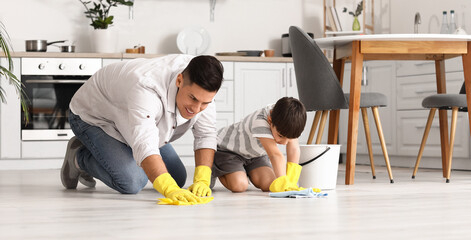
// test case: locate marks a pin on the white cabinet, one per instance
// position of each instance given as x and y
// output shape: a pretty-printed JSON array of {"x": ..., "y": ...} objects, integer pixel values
[
  {"x": 379, "y": 76},
  {"x": 415, "y": 81},
  {"x": 258, "y": 84},
  {"x": 10, "y": 116}
]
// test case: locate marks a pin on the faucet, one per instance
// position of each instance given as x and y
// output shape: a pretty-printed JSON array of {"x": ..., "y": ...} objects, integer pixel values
[{"x": 417, "y": 21}]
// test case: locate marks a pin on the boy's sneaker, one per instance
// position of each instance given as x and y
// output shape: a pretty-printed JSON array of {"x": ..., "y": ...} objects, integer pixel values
[{"x": 70, "y": 173}]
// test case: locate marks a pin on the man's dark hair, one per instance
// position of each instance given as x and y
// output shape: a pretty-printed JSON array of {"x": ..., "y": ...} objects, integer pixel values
[
  {"x": 206, "y": 72},
  {"x": 289, "y": 117}
]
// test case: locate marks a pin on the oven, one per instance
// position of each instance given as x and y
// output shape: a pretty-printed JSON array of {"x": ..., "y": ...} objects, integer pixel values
[{"x": 50, "y": 84}]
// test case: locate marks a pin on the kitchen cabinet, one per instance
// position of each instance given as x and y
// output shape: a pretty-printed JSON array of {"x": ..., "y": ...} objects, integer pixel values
[
  {"x": 10, "y": 116},
  {"x": 415, "y": 81},
  {"x": 258, "y": 84}
]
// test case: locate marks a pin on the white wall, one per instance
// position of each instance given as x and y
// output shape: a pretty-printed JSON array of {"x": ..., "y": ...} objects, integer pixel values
[
  {"x": 403, "y": 12},
  {"x": 238, "y": 25}
]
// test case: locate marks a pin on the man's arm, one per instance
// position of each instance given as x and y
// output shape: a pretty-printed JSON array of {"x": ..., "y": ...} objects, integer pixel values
[
  {"x": 153, "y": 166},
  {"x": 276, "y": 157},
  {"x": 292, "y": 151}
]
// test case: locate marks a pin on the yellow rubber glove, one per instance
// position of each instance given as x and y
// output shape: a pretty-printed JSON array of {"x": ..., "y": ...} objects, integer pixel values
[
  {"x": 174, "y": 195},
  {"x": 201, "y": 181},
  {"x": 283, "y": 184},
  {"x": 293, "y": 171}
]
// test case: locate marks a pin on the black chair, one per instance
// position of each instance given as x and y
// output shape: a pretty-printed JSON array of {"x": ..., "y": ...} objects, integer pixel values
[
  {"x": 320, "y": 91},
  {"x": 454, "y": 102}
]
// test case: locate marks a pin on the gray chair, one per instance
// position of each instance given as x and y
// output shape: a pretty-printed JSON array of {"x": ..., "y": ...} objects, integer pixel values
[
  {"x": 453, "y": 102},
  {"x": 320, "y": 91}
]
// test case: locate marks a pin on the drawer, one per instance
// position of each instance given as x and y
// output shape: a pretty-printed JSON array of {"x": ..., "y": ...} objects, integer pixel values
[
  {"x": 228, "y": 70},
  {"x": 225, "y": 97},
  {"x": 409, "y": 68},
  {"x": 43, "y": 149},
  {"x": 411, "y": 127},
  {"x": 411, "y": 90}
]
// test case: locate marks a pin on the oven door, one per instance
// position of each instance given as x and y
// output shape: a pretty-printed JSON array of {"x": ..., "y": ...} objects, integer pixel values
[{"x": 48, "y": 105}]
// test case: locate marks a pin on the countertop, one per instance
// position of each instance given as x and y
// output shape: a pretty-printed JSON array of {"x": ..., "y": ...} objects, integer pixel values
[{"x": 130, "y": 56}]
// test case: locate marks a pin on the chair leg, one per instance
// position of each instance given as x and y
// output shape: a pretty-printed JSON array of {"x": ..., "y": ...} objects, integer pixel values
[
  {"x": 322, "y": 126},
  {"x": 314, "y": 126},
  {"x": 383, "y": 142},
  {"x": 454, "y": 117},
  {"x": 366, "y": 125},
  {"x": 431, "y": 115}
]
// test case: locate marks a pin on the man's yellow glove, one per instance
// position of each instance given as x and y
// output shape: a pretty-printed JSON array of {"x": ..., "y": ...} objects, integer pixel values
[
  {"x": 283, "y": 184},
  {"x": 174, "y": 195},
  {"x": 201, "y": 181}
]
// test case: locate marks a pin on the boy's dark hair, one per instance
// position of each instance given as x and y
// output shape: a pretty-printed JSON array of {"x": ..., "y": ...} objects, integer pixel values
[
  {"x": 289, "y": 117},
  {"x": 205, "y": 71}
]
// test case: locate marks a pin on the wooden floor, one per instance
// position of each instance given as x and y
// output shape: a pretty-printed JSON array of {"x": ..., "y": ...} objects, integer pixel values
[{"x": 33, "y": 205}]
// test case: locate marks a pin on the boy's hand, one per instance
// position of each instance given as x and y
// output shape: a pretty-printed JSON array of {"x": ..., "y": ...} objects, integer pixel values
[
  {"x": 201, "y": 181},
  {"x": 283, "y": 184}
]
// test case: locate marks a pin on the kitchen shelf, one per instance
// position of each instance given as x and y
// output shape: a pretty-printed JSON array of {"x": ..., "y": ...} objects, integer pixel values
[{"x": 368, "y": 9}]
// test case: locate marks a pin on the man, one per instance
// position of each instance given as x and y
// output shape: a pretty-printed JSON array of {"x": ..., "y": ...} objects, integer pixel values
[{"x": 125, "y": 116}]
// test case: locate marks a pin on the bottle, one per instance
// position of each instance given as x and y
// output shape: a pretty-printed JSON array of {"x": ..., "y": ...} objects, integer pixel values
[
  {"x": 452, "y": 26},
  {"x": 444, "y": 29}
]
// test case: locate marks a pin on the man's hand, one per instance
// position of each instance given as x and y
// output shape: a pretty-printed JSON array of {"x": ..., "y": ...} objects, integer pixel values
[
  {"x": 167, "y": 186},
  {"x": 201, "y": 181}
]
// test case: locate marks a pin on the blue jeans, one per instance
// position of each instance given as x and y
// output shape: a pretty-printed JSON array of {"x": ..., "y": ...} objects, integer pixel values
[{"x": 111, "y": 161}]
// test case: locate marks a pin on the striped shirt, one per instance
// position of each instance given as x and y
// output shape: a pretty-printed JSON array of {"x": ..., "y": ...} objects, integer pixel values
[{"x": 242, "y": 137}]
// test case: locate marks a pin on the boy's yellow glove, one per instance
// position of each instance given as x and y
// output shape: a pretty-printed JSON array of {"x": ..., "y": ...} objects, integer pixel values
[
  {"x": 201, "y": 181},
  {"x": 283, "y": 184},
  {"x": 293, "y": 171},
  {"x": 175, "y": 195}
]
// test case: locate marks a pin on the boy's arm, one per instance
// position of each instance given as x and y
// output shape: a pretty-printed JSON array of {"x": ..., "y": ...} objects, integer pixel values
[
  {"x": 292, "y": 151},
  {"x": 276, "y": 157}
]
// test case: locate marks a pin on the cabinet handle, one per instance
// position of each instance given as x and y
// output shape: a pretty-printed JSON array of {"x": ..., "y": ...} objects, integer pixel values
[
  {"x": 283, "y": 78},
  {"x": 425, "y": 91},
  {"x": 364, "y": 80},
  {"x": 424, "y": 63},
  {"x": 290, "y": 78},
  {"x": 432, "y": 126}
]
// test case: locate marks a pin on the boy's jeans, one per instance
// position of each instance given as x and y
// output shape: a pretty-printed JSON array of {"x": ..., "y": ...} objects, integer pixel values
[{"x": 111, "y": 161}]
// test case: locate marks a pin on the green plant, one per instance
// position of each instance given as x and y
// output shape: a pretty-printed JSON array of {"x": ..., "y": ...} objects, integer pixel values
[
  {"x": 357, "y": 11},
  {"x": 7, "y": 73},
  {"x": 99, "y": 13}
]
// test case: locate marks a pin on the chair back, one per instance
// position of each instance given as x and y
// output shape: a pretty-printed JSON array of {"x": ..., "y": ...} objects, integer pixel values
[
  {"x": 463, "y": 89},
  {"x": 318, "y": 86}
]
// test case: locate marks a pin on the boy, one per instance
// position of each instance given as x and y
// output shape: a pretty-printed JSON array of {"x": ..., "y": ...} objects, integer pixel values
[{"x": 249, "y": 146}]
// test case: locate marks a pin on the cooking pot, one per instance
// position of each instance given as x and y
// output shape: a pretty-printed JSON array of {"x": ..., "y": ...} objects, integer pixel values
[
  {"x": 38, "y": 45},
  {"x": 67, "y": 48}
]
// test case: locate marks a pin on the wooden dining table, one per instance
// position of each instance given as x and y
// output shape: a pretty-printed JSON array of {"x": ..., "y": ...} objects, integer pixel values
[{"x": 359, "y": 48}]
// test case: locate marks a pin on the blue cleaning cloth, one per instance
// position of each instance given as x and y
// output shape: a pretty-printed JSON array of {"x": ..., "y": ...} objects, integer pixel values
[{"x": 306, "y": 193}]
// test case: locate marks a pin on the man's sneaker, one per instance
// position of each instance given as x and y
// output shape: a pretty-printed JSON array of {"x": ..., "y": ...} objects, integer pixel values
[
  {"x": 69, "y": 171},
  {"x": 87, "y": 180}
]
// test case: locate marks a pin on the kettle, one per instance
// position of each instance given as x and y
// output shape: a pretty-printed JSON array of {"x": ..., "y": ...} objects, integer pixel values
[{"x": 285, "y": 45}]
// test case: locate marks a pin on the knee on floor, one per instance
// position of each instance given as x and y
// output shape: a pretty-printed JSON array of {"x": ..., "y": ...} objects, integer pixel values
[
  {"x": 133, "y": 185},
  {"x": 239, "y": 185}
]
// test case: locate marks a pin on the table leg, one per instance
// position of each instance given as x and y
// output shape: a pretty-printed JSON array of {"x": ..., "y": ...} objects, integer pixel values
[
  {"x": 441, "y": 88},
  {"x": 467, "y": 79},
  {"x": 353, "y": 111},
  {"x": 334, "y": 116}
]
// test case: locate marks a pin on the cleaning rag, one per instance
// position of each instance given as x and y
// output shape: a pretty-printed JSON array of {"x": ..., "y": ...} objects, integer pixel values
[{"x": 306, "y": 193}]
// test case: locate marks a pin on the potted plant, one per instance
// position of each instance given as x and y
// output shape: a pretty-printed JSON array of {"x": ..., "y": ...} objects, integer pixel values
[
  {"x": 98, "y": 11},
  {"x": 356, "y": 23},
  {"x": 6, "y": 73}
]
